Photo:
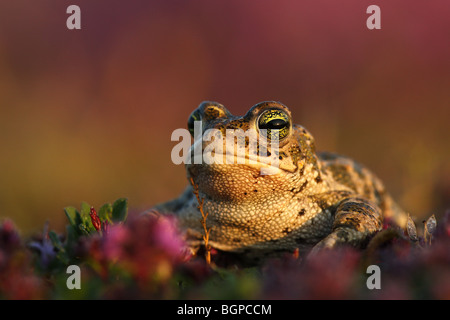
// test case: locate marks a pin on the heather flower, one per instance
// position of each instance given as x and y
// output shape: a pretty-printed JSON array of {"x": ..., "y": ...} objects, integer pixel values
[
  {"x": 113, "y": 242},
  {"x": 17, "y": 280},
  {"x": 167, "y": 236},
  {"x": 9, "y": 237},
  {"x": 326, "y": 275},
  {"x": 20, "y": 284},
  {"x": 147, "y": 248},
  {"x": 44, "y": 248},
  {"x": 9, "y": 242}
]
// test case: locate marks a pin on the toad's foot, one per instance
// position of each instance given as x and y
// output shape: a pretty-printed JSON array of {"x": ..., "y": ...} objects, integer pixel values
[{"x": 355, "y": 222}]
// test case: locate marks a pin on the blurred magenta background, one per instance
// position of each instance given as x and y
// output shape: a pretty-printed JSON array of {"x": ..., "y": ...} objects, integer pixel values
[{"x": 86, "y": 115}]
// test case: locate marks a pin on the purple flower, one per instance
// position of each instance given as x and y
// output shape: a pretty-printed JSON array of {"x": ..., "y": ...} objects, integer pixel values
[{"x": 44, "y": 247}]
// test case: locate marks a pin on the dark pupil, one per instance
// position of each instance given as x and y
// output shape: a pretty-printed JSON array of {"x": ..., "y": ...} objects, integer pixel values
[{"x": 275, "y": 124}]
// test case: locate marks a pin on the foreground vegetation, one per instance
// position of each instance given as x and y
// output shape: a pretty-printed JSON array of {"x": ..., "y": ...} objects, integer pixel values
[{"x": 127, "y": 256}]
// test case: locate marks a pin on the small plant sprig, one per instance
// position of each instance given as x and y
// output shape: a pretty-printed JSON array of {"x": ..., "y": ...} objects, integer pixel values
[
  {"x": 428, "y": 232},
  {"x": 87, "y": 221},
  {"x": 55, "y": 251},
  {"x": 204, "y": 214}
]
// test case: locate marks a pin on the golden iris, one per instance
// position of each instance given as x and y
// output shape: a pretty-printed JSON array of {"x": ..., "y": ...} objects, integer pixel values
[{"x": 276, "y": 122}]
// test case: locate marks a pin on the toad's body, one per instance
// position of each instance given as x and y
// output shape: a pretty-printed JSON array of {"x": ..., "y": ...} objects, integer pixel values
[{"x": 309, "y": 199}]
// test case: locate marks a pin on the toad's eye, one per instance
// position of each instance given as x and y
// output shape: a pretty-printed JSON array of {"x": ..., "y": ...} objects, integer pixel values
[
  {"x": 207, "y": 112},
  {"x": 276, "y": 122},
  {"x": 195, "y": 116}
]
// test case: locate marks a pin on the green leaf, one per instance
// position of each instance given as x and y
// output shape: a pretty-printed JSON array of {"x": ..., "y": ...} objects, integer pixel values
[
  {"x": 74, "y": 218},
  {"x": 61, "y": 254},
  {"x": 86, "y": 218},
  {"x": 120, "y": 210},
  {"x": 85, "y": 209},
  {"x": 72, "y": 236},
  {"x": 83, "y": 229},
  {"x": 105, "y": 212},
  {"x": 72, "y": 215},
  {"x": 55, "y": 240}
]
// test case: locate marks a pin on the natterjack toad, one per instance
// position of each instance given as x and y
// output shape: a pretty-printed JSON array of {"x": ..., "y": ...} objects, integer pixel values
[{"x": 307, "y": 200}]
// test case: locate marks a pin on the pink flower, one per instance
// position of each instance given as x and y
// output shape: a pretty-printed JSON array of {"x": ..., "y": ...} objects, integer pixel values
[
  {"x": 113, "y": 242},
  {"x": 167, "y": 236},
  {"x": 9, "y": 236},
  {"x": 148, "y": 248}
]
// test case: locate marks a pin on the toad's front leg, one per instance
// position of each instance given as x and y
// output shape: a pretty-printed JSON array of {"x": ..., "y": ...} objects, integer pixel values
[{"x": 356, "y": 220}]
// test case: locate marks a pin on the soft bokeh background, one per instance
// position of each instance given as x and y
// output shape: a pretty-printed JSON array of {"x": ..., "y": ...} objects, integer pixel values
[{"x": 87, "y": 115}]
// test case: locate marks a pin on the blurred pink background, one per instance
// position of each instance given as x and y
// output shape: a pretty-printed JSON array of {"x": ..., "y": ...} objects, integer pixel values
[{"x": 86, "y": 115}]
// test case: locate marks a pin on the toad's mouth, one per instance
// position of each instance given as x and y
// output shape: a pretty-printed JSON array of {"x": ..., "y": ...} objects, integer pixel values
[
  {"x": 268, "y": 165},
  {"x": 268, "y": 162}
]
